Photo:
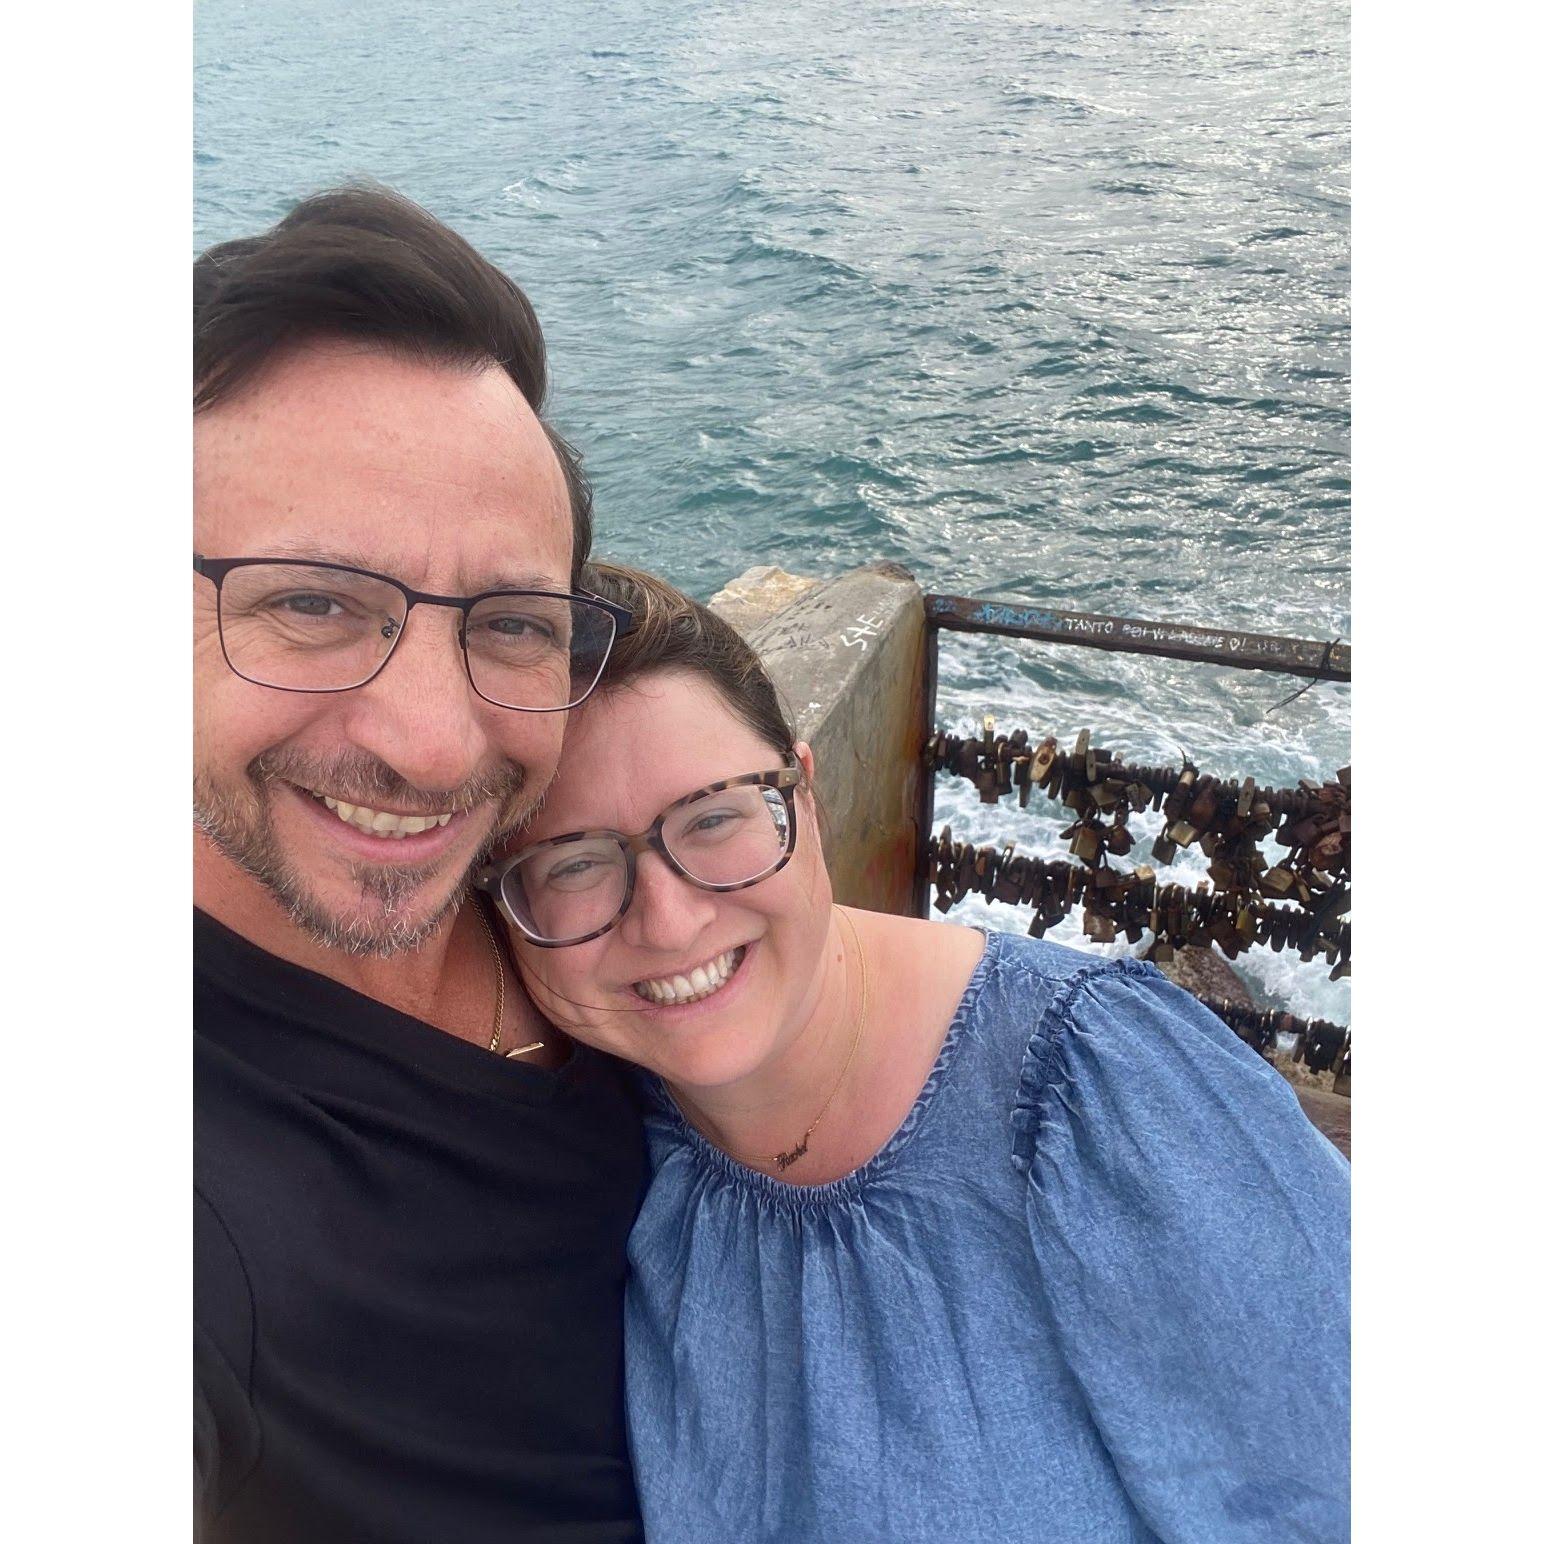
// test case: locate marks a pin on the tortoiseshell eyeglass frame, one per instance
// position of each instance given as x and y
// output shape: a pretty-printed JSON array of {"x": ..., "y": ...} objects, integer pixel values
[{"x": 490, "y": 878}]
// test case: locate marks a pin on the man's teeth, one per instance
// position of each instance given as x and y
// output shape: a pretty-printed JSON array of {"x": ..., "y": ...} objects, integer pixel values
[
  {"x": 701, "y": 982},
  {"x": 382, "y": 822}
]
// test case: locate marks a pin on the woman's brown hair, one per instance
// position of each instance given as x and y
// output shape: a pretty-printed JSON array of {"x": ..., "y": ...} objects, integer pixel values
[{"x": 671, "y": 631}]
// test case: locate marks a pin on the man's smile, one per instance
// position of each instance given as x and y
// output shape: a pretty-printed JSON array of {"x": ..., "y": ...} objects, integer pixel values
[
  {"x": 387, "y": 836},
  {"x": 382, "y": 822}
]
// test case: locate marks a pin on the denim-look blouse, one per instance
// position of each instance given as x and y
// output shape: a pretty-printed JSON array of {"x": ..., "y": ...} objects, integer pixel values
[{"x": 1094, "y": 1288}]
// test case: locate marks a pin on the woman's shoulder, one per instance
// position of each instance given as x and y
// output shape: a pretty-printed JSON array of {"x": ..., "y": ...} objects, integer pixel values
[
  {"x": 1027, "y": 987},
  {"x": 1057, "y": 1028},
  {"x": 1040, "y": 959},
  {"x": 1007, "y": 993},
  {"x": 1112, "y": 1046},
  {"x": 1008, "y": 962}
]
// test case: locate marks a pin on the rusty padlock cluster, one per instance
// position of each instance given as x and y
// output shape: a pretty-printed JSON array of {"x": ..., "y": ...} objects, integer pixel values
[
  {"x": 1318, "y": 840},
  {"x": 1228, "y": 819},
  {"x": 1052, "y": 888},
  {"x": 1119, "y": 902},
  {"x": 1260, "y": 1027}
]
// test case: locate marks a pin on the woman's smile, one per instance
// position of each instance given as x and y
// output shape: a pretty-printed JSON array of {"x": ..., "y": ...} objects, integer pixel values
[{"x": 695, "y": 984}]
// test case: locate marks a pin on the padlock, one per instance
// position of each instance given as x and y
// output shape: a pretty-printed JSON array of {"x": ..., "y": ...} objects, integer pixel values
[
  {"x": 1202, "y": 810},
  {"x": 1278, "y": 880},
  {"x": 1104, "y": 793},
  {"x": 1086, "y": 844},
  {"x": 1045, "y": 755},
  {"x": 1099, "y": 928}
]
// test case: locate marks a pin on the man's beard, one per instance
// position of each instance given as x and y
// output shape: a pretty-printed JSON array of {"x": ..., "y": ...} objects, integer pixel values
[{"x": 240, "y": 825}]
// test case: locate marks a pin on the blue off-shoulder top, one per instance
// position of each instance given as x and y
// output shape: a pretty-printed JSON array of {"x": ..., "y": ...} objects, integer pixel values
[{"x": 1094, "y": 1288}]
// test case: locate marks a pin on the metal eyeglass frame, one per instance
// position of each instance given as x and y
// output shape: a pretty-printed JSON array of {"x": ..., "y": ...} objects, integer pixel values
[
  {"x": 216, "y": 570},
  {"x": 490, "y": 878}
]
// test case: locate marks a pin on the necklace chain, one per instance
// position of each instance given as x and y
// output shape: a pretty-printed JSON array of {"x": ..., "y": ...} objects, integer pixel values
[
  {"x": 786, "y": 1160},
  {"x": 498, "y": 998}
]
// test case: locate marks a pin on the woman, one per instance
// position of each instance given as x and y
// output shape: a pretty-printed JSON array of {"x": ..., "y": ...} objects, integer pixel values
[{"x": 951, "y": 1235}]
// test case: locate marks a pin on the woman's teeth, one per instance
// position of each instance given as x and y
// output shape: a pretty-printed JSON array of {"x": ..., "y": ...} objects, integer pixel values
[
  {"x": 383, "y": 822},
  {"x": 702, "y": 982}
]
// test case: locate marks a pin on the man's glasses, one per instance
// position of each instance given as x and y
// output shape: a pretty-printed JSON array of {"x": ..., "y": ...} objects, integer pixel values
[
  {"x": 573, "y": 888},
  {"x": 325, "y": 627}
]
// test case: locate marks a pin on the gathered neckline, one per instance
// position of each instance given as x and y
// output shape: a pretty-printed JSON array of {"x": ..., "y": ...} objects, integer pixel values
[{"x": 807, "y": 1197}]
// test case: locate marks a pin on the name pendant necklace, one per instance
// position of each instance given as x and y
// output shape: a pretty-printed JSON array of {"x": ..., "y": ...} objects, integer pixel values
[{"x": 786, "y": 1160}]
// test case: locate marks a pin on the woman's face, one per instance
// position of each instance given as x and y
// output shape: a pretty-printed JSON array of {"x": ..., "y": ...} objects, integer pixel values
[{"x": 627, "y": 755}]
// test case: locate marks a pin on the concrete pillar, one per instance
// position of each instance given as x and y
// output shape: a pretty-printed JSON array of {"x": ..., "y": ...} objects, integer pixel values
[{"x": 847, "y": 654}]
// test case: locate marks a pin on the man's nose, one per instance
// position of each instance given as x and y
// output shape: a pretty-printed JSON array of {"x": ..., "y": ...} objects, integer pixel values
[
  {"x": 668, "y": 913},
  {"x": 420, "y": 715}
]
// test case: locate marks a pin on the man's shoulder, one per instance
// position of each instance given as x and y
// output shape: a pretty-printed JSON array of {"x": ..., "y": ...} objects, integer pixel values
[
  {"x": 222, "y": 1288},
  {"x": 227, "y": 1439}
]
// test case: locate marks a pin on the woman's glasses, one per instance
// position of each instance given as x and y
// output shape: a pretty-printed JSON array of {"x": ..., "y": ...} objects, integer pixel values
[{"x": 573, "y": 888}]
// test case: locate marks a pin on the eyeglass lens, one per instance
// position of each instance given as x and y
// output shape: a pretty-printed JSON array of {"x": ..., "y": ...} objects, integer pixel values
[
  {"x": 321, "y": 629},
  {"x": 573, "y": 889}
]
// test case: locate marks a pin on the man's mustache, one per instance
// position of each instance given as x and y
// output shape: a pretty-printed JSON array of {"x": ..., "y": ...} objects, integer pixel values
[{"x": 356, "y": 777}]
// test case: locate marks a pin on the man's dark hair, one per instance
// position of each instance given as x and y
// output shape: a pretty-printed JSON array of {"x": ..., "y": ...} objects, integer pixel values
[{"x": 364, "y": 262}]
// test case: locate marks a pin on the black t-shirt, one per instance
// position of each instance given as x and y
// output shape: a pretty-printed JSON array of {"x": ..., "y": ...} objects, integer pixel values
[{"x": 408, "y": 1272}]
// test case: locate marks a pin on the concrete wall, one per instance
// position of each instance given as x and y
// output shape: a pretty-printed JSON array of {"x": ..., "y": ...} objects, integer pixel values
[{"x": 847, "y": 654}]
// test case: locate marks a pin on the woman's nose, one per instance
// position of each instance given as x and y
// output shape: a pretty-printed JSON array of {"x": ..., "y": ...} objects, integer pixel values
[{"x": 668, "y": 913}]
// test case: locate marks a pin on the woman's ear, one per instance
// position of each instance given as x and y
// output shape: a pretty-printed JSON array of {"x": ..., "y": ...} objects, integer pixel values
[{"x": 806, "y": 759}]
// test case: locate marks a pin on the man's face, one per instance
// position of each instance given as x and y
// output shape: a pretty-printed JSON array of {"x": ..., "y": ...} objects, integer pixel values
[{"x": 444, "y": 480}]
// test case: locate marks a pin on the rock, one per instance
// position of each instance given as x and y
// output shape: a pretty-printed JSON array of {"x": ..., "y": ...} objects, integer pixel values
[
  {"x": 1206, "y": 973},
  {"x": 1331, "y": 1113}
]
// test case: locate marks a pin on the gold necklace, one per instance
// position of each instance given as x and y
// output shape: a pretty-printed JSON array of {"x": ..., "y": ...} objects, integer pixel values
[
  {"x": 786, "y": 1160},
  {"x": 498, "y": 1000}
]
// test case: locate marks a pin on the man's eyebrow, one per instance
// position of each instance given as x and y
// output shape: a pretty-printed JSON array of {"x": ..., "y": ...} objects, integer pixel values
[
  {"x": 301, "y": 550},
  {"x": 523, "y": 579}
]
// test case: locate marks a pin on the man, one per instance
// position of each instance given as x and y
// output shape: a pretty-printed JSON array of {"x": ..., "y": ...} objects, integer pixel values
[{"x": 412, "y": 1195}]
